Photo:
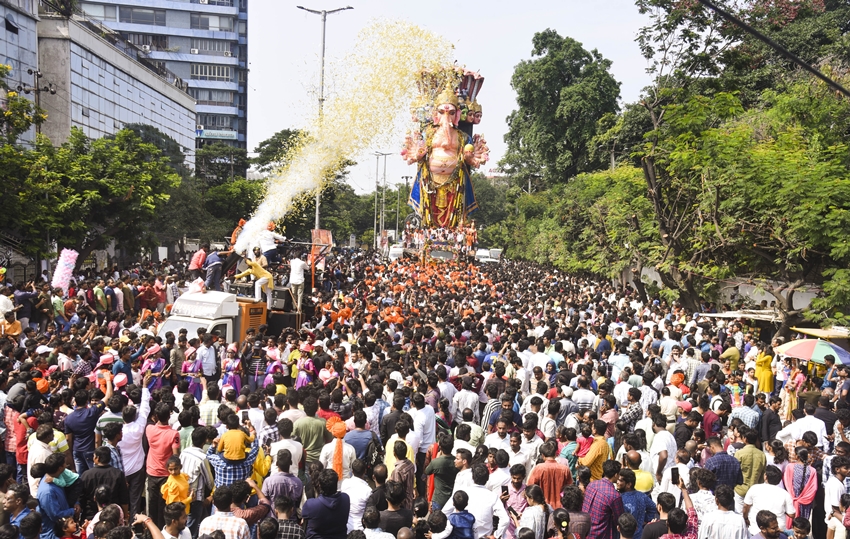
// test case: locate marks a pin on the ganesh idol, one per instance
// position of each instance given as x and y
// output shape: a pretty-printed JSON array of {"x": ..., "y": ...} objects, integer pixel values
[{"x": 445, "y": 156}]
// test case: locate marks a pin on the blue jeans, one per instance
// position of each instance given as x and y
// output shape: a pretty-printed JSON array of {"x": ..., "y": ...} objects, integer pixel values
[
  {"x": 83, "y": 460},
  {"x": 12, "y": 460},
  {"x": 62, "y": 324},
  {"x": 197, "y": 513},
  {"x": 272, "y": 256}
]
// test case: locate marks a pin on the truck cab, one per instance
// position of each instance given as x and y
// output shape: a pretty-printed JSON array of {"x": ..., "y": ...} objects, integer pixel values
[{"x": 215, "y": 311}]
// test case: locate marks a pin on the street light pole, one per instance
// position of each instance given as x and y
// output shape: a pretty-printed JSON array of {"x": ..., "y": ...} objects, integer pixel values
[
  {"x": 398, "y": 200},
  {"x": 324, "y": 14},
  {"x": 378, "y": 156}
]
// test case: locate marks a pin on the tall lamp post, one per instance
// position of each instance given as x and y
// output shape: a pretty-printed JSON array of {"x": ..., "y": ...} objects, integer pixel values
[
  {"x": 324, "y": 13},
  {"x": 398, "y": 200},
  {"x": 378, "y": 156}
]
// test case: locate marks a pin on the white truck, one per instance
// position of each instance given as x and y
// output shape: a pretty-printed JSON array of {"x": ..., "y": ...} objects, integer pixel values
[
  {"x": 215, "y": 311},
  {"x": 489, "y": 256}
]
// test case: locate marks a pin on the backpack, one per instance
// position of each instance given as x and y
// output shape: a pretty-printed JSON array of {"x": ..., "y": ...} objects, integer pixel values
[{"x": 374, "y": 454}]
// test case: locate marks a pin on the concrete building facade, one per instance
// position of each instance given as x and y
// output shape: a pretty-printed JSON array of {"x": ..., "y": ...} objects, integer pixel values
[
  {"x": 101, "y": 88},
  {"x": 19, "y": 46},
  {"x": 204, "y": 42}
]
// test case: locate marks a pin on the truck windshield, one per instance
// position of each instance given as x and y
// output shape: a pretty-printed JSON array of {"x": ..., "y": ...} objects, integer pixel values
[{"x": 174, "y": 325}]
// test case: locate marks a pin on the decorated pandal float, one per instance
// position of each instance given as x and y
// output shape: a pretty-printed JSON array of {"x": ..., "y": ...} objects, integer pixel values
[{"x": 444, "y": 148}]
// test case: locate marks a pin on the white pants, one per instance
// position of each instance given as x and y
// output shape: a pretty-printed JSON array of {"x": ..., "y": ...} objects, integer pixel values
[
  {"x": 739, "y": 503},
  {"x": 258, "y": 291}
]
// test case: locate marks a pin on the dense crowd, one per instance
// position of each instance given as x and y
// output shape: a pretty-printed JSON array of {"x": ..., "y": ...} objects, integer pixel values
[{"x": 429, "y": 401}]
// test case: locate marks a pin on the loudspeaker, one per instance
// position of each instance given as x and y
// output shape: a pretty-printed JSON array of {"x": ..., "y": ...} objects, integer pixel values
[
  {"x": 281, "y": 299},
  {"x": 279, "y": 321},
  {"x": 243, "y": 289}
]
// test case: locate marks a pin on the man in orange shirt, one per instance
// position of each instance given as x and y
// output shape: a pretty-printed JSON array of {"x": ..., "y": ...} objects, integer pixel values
[
  {"x": 550, "y": 476},
  {"x": 10, "y": 327}
]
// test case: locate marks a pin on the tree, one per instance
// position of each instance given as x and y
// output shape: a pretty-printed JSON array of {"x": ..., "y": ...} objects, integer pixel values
[
  {"x": 95, "y": 191},
  {"x": 234, "y": 200},
  {"x": 220, "y": 162},
  {"x": 562, "y": 93},
  {"x": 169, "y": 147},
  {"x": 273, "y": 152}
]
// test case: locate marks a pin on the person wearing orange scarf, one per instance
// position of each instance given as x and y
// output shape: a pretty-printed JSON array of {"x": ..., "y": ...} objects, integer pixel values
[{"x": 338, "y": 455}]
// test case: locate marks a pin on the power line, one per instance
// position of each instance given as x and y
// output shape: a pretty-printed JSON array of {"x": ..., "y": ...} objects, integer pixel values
[{"x": 776, "y": 46}]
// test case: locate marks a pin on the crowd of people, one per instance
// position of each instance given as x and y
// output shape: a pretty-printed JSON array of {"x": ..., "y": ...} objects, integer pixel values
[
  {"x": 460, "y": 240},
  {"x": 422, "y": 401}
]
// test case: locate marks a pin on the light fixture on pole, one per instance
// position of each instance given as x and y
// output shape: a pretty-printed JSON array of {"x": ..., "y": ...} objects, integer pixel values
[{"x": 324, "y": 13}]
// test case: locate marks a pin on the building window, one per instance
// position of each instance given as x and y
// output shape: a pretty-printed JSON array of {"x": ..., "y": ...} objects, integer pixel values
[
  {"x": 228, "y": 3},
  {"x": 215, "y": 121},
  {"x": 211, "y": 46},
  {"x": 137, "y": 15},
  {"x": 243, "y": 28},
  {"x": 202, "y": 21},
  {"x": 204, "y": 96},
  {"x": 243, "y": 76},
  {"x": 154, "y": 42},
  {"x": 211, "y": 72},
  {"x": 98, "y": 11}
]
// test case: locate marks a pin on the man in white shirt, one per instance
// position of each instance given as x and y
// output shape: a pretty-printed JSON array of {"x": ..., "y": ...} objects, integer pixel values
[
  {"x": 425, "y": 425},
  {"x": 768, "y": 496},
  {"x": 297, "y": 267},
  {"x": 498, "y": 439},
  {"x": 268, "y": 244},
  {"x": 724, "y": 522},
  {"x": 135, "y": 420},
  {"x": 296, "y": 449},
  {"x": 483, "y": 505},
  {"x": 358, "y": 491},
  {"x": 809, "y": 422},
  {"x": 663, "y": 449},
  {"x": 835, "y": 487},
  {"x": 465, "y": 398},
  {"x": 196, "y": 466},
  {"x": 175, "y": 523}
]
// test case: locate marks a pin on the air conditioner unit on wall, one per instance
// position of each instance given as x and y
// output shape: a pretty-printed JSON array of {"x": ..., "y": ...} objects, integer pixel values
[
  {"x": 203, "y": 1},
  {"x": 146, "y": 48},
  {"x": 193, "y": 51},
  {"x": 228, "y": 54},
  {"x": 199, "y": 127}
]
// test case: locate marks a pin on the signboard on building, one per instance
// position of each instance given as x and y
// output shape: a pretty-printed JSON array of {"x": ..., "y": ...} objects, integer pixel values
[{"x": 216, "y": 134}]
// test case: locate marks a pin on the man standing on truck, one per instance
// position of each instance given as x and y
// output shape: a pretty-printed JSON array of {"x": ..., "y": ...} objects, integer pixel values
[
  {"x": 263, "y": 280},
  {"x": 297, "y": 266}
]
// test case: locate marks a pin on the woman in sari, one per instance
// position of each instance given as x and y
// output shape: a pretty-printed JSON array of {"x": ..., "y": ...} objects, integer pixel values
[
  {"x": 154, "y": 364},
  {"x": 444, "y": 417},
  {"x": 275, "y": 366},
  {"x": 801, "y": 482},
  {"x": 306, "y": 370},
  {"x": 795, "y": 381},
  {"x": 231, "y": 369},
  {"x": 764, "y": 373},
  {"x": 191, "y": 371}
]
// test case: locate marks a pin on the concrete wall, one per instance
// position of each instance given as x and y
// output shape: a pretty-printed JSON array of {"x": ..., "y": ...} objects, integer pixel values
[{"x": 100, "y": 90}]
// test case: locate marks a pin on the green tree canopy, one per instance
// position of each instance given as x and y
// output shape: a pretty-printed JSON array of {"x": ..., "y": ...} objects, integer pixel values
[
  {"x": 220, "y": 162},
  {"x": 562, "y": 93},
  {"x": 273, "y": 152}
]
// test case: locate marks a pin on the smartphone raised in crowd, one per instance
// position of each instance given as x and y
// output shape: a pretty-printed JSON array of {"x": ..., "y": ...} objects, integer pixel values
[{"x": 674, "y": 475}]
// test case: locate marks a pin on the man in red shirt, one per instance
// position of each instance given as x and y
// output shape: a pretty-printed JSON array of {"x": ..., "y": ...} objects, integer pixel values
[
  {"x": 197, "y": 262},
  {"x": 164, "y": 442}
]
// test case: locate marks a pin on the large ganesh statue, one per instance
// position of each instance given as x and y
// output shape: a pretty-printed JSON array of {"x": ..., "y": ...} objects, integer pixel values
[{"x": 444, "y": 148}]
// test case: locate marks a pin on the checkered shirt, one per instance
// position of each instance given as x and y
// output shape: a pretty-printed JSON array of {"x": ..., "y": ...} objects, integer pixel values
[{"x": 289, "y": 529}]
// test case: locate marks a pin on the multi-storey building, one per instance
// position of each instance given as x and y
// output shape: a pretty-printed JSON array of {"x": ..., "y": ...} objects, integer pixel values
[{"x": 204, "y": 42}]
